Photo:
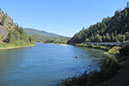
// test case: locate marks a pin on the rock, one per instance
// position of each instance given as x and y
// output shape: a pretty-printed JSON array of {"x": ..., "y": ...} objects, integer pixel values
[{"x": 3, "y": 32}]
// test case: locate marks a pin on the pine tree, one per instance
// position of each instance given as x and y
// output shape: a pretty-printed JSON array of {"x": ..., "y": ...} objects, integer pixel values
[
  {"x": 31, "y": 40},
  {"x": 107, "y": 37},
  {"x": 104, "y": 38},
  {"x": 92, "y": 38},
  {"x": 127, "y": 35},
  {"x": 98, "y": 38},
  {"x": 126, "y": 13},
  {"x": 115, "y": 33},
  {"x": 112, "y": 37}
]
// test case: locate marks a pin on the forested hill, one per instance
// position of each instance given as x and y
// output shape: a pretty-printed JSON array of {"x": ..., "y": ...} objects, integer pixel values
[
  {"x": 43, "y": 36},
  {"x": 114, "y": 29},
  {"x": 11, "y": 33}
]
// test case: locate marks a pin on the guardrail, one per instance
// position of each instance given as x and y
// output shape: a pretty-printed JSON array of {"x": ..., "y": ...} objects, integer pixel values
[{"x": 109, "y": 43}]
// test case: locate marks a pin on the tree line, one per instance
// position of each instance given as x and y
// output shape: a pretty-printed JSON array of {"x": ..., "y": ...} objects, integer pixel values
[
  {"x": 18, "y": 34},
  {"x": 111, "y": 29}
]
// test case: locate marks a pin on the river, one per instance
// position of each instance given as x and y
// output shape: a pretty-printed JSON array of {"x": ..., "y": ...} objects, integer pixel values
[{"x": 46, "y": 64}]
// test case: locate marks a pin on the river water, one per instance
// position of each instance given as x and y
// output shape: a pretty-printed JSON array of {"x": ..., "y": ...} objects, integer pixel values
[{"x": 46, "y": 64}]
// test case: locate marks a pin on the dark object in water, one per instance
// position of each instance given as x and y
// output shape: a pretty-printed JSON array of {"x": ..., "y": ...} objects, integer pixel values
[
  {"x": 76, "y": 57},
  {"x": 90, "y": 65}
]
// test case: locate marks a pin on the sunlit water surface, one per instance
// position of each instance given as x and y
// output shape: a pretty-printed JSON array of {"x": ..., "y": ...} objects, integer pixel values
[{"x": 46, "y": 64}]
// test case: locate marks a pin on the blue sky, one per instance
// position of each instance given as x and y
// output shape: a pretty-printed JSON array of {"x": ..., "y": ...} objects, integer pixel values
[{"x": 64, "y": 17}]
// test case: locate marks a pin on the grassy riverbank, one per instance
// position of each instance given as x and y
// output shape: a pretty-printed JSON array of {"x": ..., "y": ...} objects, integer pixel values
[
  {"x": 55, "y": 43},
  {"x": 106, "y": 48},
  {"x": 109, "y": 69},
  {"x": 112, "y": 50},
  {"x": 16, "y": 44}
]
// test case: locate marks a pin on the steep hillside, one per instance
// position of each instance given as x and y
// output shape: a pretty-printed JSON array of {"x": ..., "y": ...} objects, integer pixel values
[
  {"x": 6, "y": 24},
  {"x": 43, "y": 36},
  {"x": 114, "y": 29},
  {"x": 3, "y": 32},
  {"x": 11, "y": 33}
]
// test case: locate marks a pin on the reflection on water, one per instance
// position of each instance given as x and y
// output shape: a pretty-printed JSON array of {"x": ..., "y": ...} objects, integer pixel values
[{"x": 45, "y": 64}]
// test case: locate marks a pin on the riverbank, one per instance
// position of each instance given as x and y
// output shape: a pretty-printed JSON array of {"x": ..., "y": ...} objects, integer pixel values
[
  {"x": 105, "y": 48},
  {"x": 109, "y": 50},
  {"x": 54, "y": 43},
  {"x": 11, "y": 46},
  {"x": 110, "y": 69},
  {"x": 121, "y": 79}
]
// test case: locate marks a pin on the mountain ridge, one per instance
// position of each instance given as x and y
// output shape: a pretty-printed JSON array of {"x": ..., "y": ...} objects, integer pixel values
[
  {"x": 42, "y": 36},
  {"x": 45, "y": 32}
]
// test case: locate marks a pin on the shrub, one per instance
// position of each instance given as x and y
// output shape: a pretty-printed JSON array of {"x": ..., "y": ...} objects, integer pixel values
[{"x": 124, "y": 51}]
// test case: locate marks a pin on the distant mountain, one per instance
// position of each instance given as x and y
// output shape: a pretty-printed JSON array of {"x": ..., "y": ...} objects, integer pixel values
[{"x": 42, "y": 36}]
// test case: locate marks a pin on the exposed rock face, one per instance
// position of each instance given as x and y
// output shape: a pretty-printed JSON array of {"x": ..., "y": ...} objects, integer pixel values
[{"x": 3, "y": 32}]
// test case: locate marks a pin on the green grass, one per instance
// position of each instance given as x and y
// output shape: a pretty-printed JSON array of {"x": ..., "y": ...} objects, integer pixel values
[
  {"x": 16, "y": 44},
  {"x": 94, "y": 46},
  {"x": 2, "y": 45}
]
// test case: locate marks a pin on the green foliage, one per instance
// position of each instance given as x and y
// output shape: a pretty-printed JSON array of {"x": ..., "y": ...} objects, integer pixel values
[
  {"x": 31, "y": 40},
  {"x": 120, "y": 38},
  {"x": 92, "y": 38},
  {"x": 114, "y": 50},
  {"x": 15, "y": 44},
  {"x": 10, "y": 37},
  {"x": 18, "y": 34},
  {"x": 112, "y": 38},
  {"x": 57, "y": 41},
  {"x": 114, "y": 29},
  {"x": 124, "y": 51},
  {"x": 127, "y": 35},
  {"x": 98, "y": 38},
  {"x": 43, "y": 36},
  {"x": 1, "y": 37},
  {"x": 107, "y": 37},
  {"x": 94, "y": 46},
  {"x": 2, "y": 45},
  {"x": 94, "y": 78},
  {"x": 87, "y": 40},
  {"x": 126, "y": 13},
  {"x": 109, "y": 69}
]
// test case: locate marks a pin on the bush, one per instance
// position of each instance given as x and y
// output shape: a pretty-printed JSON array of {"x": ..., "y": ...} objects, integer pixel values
[
  {"x": 124, "y": 51},
  {"x": 93, "y": 78},
  {"x": 114, "y": 50},
  {"x": 2, "y": 45}
]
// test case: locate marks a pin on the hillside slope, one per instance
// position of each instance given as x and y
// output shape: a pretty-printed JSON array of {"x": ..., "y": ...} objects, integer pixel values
[
  {"x": 114, "y": 29},
  {"x": 42, "y": 36},
  {"x": 6, "y": 24},
  {"x": 11, "y": 33},
  {"x": 3, "y": 32},
  {"x": 34, "y": 32}
]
